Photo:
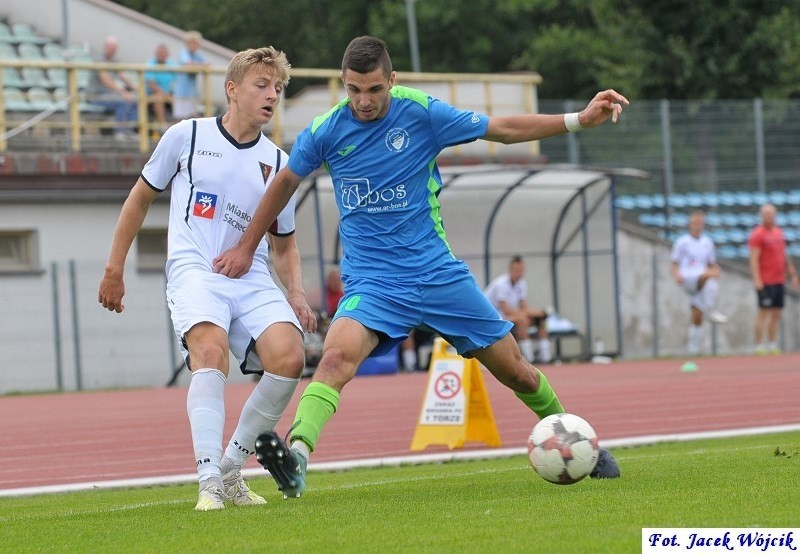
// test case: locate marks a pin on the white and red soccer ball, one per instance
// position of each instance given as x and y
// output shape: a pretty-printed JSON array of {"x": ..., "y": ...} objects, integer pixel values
[{"x": 563, "y": 449}]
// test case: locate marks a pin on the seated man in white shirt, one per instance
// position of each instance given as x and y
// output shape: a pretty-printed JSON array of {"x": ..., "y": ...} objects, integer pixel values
[{"x": 509, "y": 293}]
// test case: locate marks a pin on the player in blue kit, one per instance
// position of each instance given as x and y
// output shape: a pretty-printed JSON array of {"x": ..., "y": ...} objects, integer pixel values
[{"x": 380, "y": 146}]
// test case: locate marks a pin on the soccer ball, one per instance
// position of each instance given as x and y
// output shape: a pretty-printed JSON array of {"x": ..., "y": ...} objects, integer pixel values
[{"x": 562, "y": 448}]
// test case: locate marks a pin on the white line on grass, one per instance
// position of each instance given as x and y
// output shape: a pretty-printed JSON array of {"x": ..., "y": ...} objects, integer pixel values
[{"x": 401, "y": 460}]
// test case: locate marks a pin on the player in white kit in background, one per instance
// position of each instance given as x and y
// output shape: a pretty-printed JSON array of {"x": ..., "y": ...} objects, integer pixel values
[
  {"x": 694, "y": 267},
  {"x": 219, "y": 169}
]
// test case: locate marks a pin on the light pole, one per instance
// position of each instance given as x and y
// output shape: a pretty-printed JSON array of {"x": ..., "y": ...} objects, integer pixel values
[{"x": 412, "y": 36}]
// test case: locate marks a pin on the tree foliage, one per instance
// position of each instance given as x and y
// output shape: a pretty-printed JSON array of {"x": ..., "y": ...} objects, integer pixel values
[{"x": 647, "y": 49}]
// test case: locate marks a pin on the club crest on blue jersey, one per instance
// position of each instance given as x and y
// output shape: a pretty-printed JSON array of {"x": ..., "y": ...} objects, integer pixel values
[
  {"x": 204, "y": 204},
  {"x": 397, "y": 139}
]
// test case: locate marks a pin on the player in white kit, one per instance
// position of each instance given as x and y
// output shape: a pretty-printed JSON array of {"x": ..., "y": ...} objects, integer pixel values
[
  {"x": 694, "y": 267},
  {"x": 219, "y": 169}
]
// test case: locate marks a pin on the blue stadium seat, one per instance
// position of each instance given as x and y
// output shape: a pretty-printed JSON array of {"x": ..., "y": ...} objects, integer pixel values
[
  {"x": 727, "y": 198},
  {"x": 719, "y": 236},
  {"x": 7, "y": 52},
  {"x": 790, "y": 234},
  {"x": 793, "y": 217},
  {"x": 39, "y": 98},
  {"x": 710, "y": 199},
  {"x": 5, "y": 33},
  {"x": 679, "y": 219},
  {"x": 744, "y": 199},
  {"x": 713, "y": 219},
  {"x": 778, "y": 197},
  {"x": 748, "y": 219},
  {"x": 53, "y": 51},
  {"x": 23, "y": 33},
  {"x": 737, "y": 235},
  {"x": 624, "y": 202},
  {"x": 743, "y": 251},
  {"x": 653, "y": 220},
  {"x": 15, "y": 100},
  {"x": 11, "y": 78},
  {"x": 677, "y": 201},
  {"x": 29, "y": 51},
  {"x": 727, "y": 251},
  {"x": 694, "y": 199},
  {"x": 35, "y": 77},
  {"x": 643, "y": 201},
  {"x": 729, "y": 219},
  {"x": 793, "y": 197}
]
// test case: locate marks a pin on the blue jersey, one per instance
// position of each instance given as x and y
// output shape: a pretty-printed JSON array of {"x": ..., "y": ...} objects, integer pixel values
[{"x": 386, "y": 181}]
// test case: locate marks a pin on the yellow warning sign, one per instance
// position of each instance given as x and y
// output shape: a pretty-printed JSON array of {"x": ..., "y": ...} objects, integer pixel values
[{"x": 456, "y": 409}]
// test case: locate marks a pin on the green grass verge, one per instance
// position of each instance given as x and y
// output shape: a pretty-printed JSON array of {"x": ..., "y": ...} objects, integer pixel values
[{"x": 477, "y": 506}]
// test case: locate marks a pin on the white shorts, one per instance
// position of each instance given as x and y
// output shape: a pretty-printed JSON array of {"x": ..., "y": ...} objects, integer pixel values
[
  {"x": 243, "y": 307},
  {"x": 690, "y": 282}
]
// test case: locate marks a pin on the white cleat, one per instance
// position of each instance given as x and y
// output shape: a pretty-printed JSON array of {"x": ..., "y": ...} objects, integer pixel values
[
  {"x": 238, "y": 492},
  {"x": 211, "y": 496},
  {"x": 717, "y": 317}
]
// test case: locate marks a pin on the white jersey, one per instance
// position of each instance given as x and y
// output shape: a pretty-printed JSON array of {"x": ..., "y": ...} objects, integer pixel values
[
  {"x": 693, "y": 255},
  {"x": 501, "y": 289},
  {"x": 217, "y": 184}
]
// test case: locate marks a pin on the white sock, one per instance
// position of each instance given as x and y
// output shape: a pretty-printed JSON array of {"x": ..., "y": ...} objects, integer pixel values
[
  {"x": 262, "y": 411},
  {"x": 710, "y": 294},
  {"x": 526, "y": 347},
  {"x": 410, "y": 359},
  {"x": 205, "y": 404},
  {"x": 544, "y": 351},
  {"x": 695, "y": 338}
]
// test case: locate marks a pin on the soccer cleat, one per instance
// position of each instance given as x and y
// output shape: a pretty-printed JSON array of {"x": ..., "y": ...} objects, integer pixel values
[
  {"x": 286, "y": 466},
  {"x": 717, "y": 317},
  {"x": 211, "y": 496},
  {"x": 606, "y": 467},
  {"x": 237, "y": 490}
]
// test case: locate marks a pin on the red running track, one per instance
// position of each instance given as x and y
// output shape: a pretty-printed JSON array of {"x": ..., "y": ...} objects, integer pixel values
[{"x": 61, "y": 439}]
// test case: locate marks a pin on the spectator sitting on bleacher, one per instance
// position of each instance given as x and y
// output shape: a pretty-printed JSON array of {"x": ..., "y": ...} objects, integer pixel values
[
  {"x": 185, "y": 91},
  {"x": 113, "y": 91},
  {"x": 159, "y": 85},
  {"x": 508, "y": 293}
]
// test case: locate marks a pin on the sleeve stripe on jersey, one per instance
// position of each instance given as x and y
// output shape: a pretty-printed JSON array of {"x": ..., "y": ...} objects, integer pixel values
[
  {"x": 189, "y": 169},
  {"x": 149, "y": 184}
]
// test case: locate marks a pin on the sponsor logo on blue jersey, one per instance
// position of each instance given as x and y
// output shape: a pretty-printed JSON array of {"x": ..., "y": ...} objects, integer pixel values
[{"x": 358, "y": 193}]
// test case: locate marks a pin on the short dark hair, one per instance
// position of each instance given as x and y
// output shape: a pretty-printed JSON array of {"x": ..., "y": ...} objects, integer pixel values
[
  {"x": 365, "y": 54},
  {"x": 515, "y": 259}
]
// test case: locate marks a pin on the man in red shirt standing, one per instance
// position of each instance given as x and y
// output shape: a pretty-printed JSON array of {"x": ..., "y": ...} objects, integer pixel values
[{"x": 768, "y": 266}]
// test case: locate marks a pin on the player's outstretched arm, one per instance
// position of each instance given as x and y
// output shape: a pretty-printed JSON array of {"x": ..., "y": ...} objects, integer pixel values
[
  {"x": 236, "y": 261},
  {"x": 523, "y": 128},
  {"x": 131, "y": 217}
]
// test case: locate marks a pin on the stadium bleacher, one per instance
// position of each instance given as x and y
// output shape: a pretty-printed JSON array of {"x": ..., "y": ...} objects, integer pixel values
[{"x": 730, "y": 216}]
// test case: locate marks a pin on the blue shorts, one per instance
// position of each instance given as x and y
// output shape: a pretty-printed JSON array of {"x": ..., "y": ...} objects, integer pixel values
[{"x": 447, "y": 301}]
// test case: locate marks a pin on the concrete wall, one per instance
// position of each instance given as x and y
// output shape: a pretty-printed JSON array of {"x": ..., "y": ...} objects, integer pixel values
[{"x": 655, "y": 310}]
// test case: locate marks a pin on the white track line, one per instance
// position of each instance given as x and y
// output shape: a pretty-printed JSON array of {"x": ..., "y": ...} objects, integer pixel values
[{"x": 400, "y": 460}]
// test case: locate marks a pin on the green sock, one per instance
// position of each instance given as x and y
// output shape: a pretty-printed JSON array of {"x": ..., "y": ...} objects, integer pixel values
[
  {"x": 544, "y": 401},
  {"x": 317, "y": 404}
]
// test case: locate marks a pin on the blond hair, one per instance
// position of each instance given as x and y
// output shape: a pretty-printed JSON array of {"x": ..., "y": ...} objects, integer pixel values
[
  {"x": 193, "y": 35},
  {"x": 273, "y": 60}
]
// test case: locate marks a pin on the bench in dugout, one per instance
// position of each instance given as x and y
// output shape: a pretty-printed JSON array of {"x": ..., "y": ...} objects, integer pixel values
[{"x": 559, "y": 328}]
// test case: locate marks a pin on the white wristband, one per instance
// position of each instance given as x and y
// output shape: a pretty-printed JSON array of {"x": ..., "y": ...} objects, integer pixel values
[{"x": 572, "y": 122}]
